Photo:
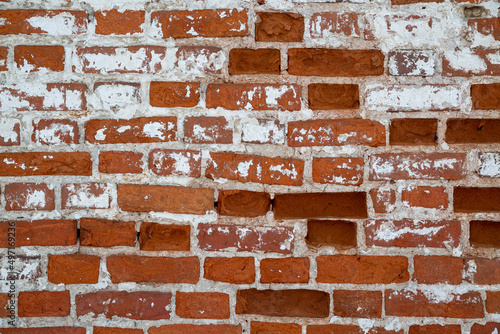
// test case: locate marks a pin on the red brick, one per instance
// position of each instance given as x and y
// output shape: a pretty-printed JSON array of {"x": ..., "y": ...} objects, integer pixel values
[
  {"x": 453, "y": 67},
  {"x": 202, "y": 305},
  {"x": 348, "y": 63},
  {"x": 153, "y": 269},
  {"x": 418, "y": 131},
  {"x": 146, "y": 198},
  {"x": 409, "y": 233},
  {"x": 257, "y": 327},
  {"x": 357, "y": 304},
  {"x": 245, "y": 238},
  {"x": 493, "y": 301},
  {"x": 141, "y": 305},
  {"x": 254, "y": 96},
  {"x": 384, "y": 200},
  {"x": 116, "y": 330},
  {"x": 174, "y": 94},
  {"x": 29, "y": 196},
  {"x": 283, "y": 303},
  {"x": 104, "y": 60},
  {"x": 4, "y": 53},
  {"x": 73, "y": 269},
  {"x": 486, "y": 26},
  {"x": 417, "y": 166},
  {"x": 342, "y": 171},
  {"x": 287, "y": 270},
  {"x": 242, "y": 203},
  {"x": 482, "y": 270},
  {"x": 485, "y": 234},
  {"x": 120, "y": 162},
  {"x": 437, "y": 269},
  {"x": 412, "y": 63},
  {"x": 425, "y": 197},
  {"x": 348, "y": 329},
  {"x": 359, "y": 269},
  {"x": 333, "y": 96},
  {"x": 469, "y": 199},
  {"x": 253, "y": 168},
  {"x": 114, "y": 22},
  {"x": 175, "y": 162},
  {"x": 489, "y": 327},
  {"x": 55, "y": 132},
  {"x": 4, "y": 305},
  {"x": 71, "y": 97},
  {"x": 61, "y": 22},
  {"x": 320, "y": 205},
  {"x": 407, "y": 303},
  {"x": 337, "y": 233},
  {"x": 41, "y": 233},
  {"x": 195, "y": 329},
  {"x": 45, "y": 330},
  {"x": 161, "y": 237},
  {"x": 279, "y": 27},
  {"x": 10, "y": 135},
  {"x": 484, "y": 97},
  {"x": 259, "y": 61},
  {"x": 35, "y": 57},
  {"x": 201, "y": 23},
  {"x": 327, "y": 25},
  {"x": 136, "y": 130},
  {"x": 45, "y": 163},
  {"x": 234, "y": 270},
  {"x": 431, "y": 329},
  {"x": 86, "y": 196},
  {"x": 473, "y": 130},
  {"x": 207, "y": 130},
  {"x": 336, "y": 132},
  {"x": 106, "y": 233},
  {"x": 44, "y": 304}
]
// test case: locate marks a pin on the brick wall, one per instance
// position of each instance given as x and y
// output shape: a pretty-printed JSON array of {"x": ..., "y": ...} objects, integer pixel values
[{"x": 241, "y": 166}]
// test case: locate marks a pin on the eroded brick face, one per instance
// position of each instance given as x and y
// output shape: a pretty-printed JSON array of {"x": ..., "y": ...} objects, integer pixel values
[{"x": 250, "y": 166}]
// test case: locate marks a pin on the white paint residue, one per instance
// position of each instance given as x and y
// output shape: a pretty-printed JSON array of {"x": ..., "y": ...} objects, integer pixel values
[
  {"x": 273, "y": 94},
  {"x": 99, "y": 135},
  {"x": 471, "y": 270},
  {"x": 35, "y": 199},
  {"x": 80, "y": 197},
  {"x": 388, "y": 231},
  {"x": 465, "y": 60},
  {"x": 57, "y": 25},
  {"x": 7, "y": 130},
  {"x": 199, "y": 61},
  {"x": 200, "y": 133},
  {"x": 490, "y": 164},
  {"x": 494, "y": 58},
  {"x": 122, "y": 129},
  {"x": 122, "y": 60},
  {"x": 54, "y": 133},
  {"x": 154, "y": 129},
  {"x": 243, "y": 168},
  {"x": 366, "y": 324},
  {"x": 181, "y": 164},
  {"x": 418, "y": 62},
  {"x": 262, "y": 131},
  {"x": 291, "y": 173},
  {"x": 53, "y": 99},
  {"x": 381, "y": 166},
  {"x": 115, "y": 97}
]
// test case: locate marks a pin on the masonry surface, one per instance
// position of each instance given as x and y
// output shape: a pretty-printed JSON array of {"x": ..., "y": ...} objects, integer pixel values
[{"x": 241, "y": 166}]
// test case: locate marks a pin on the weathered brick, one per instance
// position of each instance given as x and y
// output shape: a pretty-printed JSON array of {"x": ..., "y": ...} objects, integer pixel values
[
  {"x": 487, "y": 27},
  {"x": 195, "y": 329},
  {"x": 431, "y": 329},
  {"x": 357, "y": 304},
  {"x": 44, "y": 304},
  {"x": 485, "y": 234},
  {"x": 412, "y": 62},
  {"x": 279, "y": 27},
  {"x": 106, "y": 233},
  {"x": 336, "y": 132},
  {"x": 342, "y": 171},
  {"x": 20, "y": 267},
  {"x": 11, "y": 132},
  {"x": 348, "y": 63},
  {"x": 425, "y": 197},
  {"x": 217, "y": 237},
  {"x": 161, "y": 237},
  {"x": 359, "y": 269},
  {"x": 202, "y": 305},
  {"x": 489, "y": 164},
  {"x": 29, "y": 196},
  {"x": 4, "y": 53},
  {"x": 253, "y": 168},
  {"x": 333, "y": 96},
  {"x": 349, "y": 329},
  {"x": 472, "y": 130},
  {"x": 254, "y": 96},
  {"x": 437, "y": 269},
  {"x": 283, "y": 303},
  {"x": 337, "y": 233},
  {"x": 407, "y": 303},
  {"x": 482, "y": 270},
  {"x": 383, "y": 199},
  {"x": 480, "y": 62},
  {"x": 141, "y": 305},
  {"x": 73, "y": 269},
  {"x": 320, "y": 205},
  {"x": 136, "y": 130},
  {"x": 492, "y": 301},
  {"x": 45, "y": 163},
  {"x": 153, "y": 269},
  {"x": 417, "y": 166},
  {"x": 175, "y": 162},
  {"x": 408, "y": 233},
  {"x": 287, "y": 270},
  {"x": 116, "y": 330},
  {"x": 45, "y": 330},
  {"x": 174, "y": 94},
  {"x": 489, "y": 327},
  {"x": 37, "y": 21},
  {"x": 259, "y": 61},
  {"x": 234, "y": 270},
  {"x": 469, "y": 199},
  {"x": 257, "y": 327},
  {"x": 123, "y": 98},
  {"x": 41, "y": 233},
  {"x": 145, "y": 198},
  {"x": 207, "y": 130},
  {"x": 334, "y": 25},
  {"x": 242, "y": 203},
  {"x": 263, "y": 131},
  {"x": 418, "y": 131},
  {"x": 120, "y": 162},
  {"x": 114, "y": 22},
  {"x": 86, "y": 196},
  {"x": 55, "y": 132},
  {"x": 199, "y": 60},
  {"x": 485, "y": 96},
  {"x": 31, "y": 58}
]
